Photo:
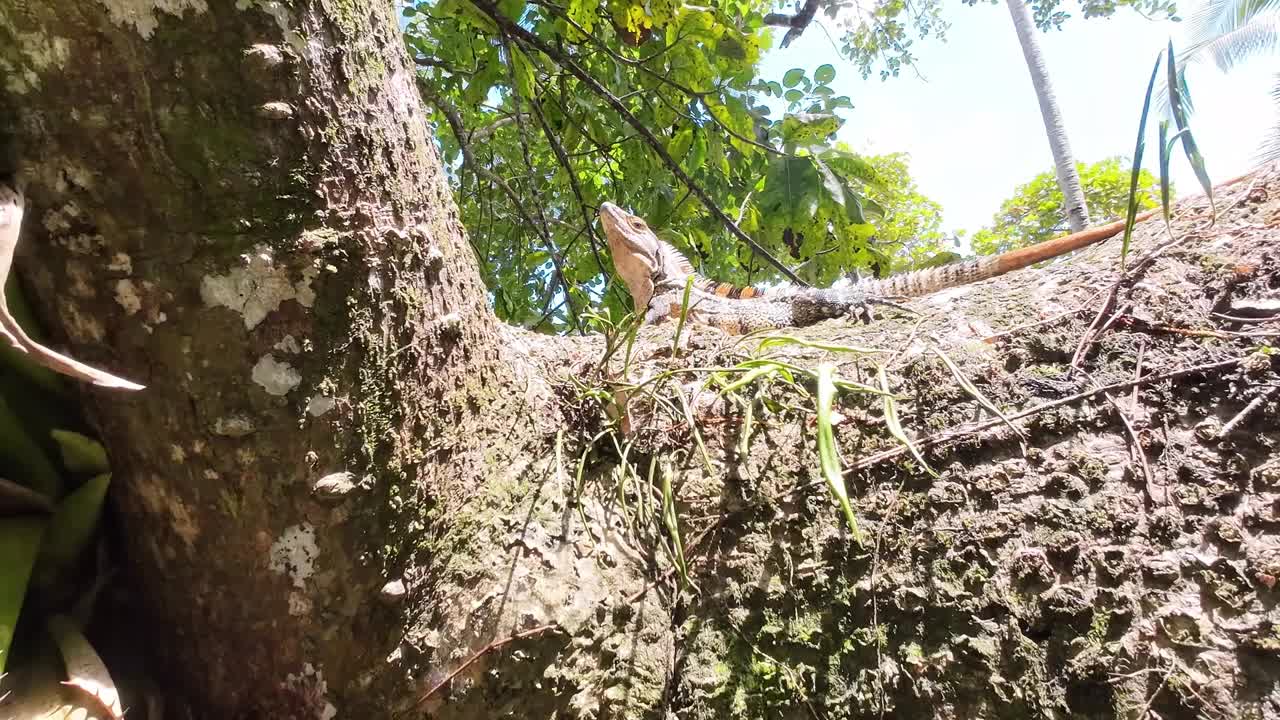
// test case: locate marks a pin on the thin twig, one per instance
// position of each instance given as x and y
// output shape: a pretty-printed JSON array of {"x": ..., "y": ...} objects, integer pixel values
[
  {"x": 956, "y": 434},
  {"x": 1139, "y": 452},
  {"x": 1246, "y": 412},
  {"x": 1246, "y": 320},
  {"x": 563, "y": 159},
  {"x": 1137, "y": 372},
  {"x": 557, "y": 260},
  {"x": 481, "y": 653}
]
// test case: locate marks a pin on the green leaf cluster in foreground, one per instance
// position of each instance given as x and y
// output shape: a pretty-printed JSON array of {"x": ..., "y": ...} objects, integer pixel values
[{"x": 53, "y": 486}]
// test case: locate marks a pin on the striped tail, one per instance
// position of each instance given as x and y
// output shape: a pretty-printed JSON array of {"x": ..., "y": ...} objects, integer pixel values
[{"x": 923, "y": 282}]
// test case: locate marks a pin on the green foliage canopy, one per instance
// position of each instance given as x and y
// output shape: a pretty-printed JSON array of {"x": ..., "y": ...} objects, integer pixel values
[
  {"x": 1036, "y": 212},
  {"x": 909, "y": 233},
  {"x": 545, "y": 110}
]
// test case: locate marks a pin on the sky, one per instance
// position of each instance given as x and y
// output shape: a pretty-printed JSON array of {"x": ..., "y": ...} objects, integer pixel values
[{"x": 972, "y": 125}]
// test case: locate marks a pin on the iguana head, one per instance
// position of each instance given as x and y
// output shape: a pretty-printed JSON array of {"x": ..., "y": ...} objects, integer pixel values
[{"x": 640, "y": 258}]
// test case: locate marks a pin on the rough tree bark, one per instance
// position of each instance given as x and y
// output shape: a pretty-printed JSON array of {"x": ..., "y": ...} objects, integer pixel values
[
  {"x": 1064, "y": 164},
  {"x": 346, "y": 482},
  {"x": 239, "y": 205}
]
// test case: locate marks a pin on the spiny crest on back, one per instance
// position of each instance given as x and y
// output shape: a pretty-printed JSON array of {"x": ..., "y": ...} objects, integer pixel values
[{"x": 675, "y": 259}]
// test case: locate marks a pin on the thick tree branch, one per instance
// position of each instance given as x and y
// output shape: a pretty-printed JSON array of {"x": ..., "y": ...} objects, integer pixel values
[
  {"x": 513, "y": 29},
  {"x": 797, "y": 22}
]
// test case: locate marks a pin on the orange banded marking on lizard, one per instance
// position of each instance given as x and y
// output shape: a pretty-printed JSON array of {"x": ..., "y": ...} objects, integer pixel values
[{"x": 725, "y": 290}]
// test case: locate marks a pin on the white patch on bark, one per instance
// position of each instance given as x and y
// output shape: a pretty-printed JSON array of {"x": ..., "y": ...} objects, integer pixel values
[
  {"x": 122, "y": 263},
  {"x": 127, "y": 296},
  {"x": 294, "y": 554},
  {"x": 288, "y": 344},
  {"x": 258, "y": 288},
  {"x": 269, "y": 55},
  {"x": 275, "y": 377},
  {"x": 319, "y": 405},
  {"x": 311, "y": 684},
  {"x": 144, "y": 15},
  {"x": 276, "y": 110},
  {"x": 234, "y": 426}
]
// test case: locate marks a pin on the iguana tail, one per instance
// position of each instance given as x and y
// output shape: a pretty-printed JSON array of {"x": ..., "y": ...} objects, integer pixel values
[{"x": 923, "y": 282}]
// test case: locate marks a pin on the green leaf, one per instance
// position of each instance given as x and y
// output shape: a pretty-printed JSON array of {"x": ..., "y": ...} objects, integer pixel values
[
  {"x": 697, "y": 153},
  {"x": 825, "y": 73},
  {"x": 20, "y": 363},
  {"x": 1180, "y": 117},
  {"x": 680, "y": 144},
  {"x": 793, "y": 95},
  {"x": 853, "y": 206},
  {"x": 19, "y": 544},
  {"x": 828, "y": 454},
  {"x": 1165, "y": 147},
  {"x": 22, "y": 459},
  {"x": 1139, "y": 146},
  {"x": 512, "y": 9},
  {"x": 522, "y": 72},
  {"x": 830, "y": 183},
  {"x": 791, "y": 188},
  {"x": 489, "y": 71},
  {"x": 793, "y": 77},
  {"x": 938, "y": 260},
  {"x": 893, "y": 424},
  {"x": 807, "y": 128},
  {"x": 672, "y": 522},
  {"x": 80, "y": 453},
  {"x": 71, "y": 528}
]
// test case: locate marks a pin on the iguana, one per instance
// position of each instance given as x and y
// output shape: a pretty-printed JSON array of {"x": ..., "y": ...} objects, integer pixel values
[{"x": 655, "y": 274}]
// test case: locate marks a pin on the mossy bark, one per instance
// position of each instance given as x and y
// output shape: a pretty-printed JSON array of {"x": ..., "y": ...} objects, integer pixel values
[{"x": 238, "y": 205}]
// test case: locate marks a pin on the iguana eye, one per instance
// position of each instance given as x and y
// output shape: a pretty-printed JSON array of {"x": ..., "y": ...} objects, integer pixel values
[{"x": 638, "y": 224}]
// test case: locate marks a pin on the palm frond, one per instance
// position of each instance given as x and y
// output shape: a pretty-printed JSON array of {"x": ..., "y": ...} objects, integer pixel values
[
  {"x": 1227, "y": 31},
  {"x": 1261, "y": 34},
  {"x": 1269, "y": 151},
  {"x": 1218, "y": 17}
]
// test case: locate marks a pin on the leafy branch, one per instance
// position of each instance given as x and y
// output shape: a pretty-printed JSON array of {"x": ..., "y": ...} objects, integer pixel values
[{"x": 513, "y": 30}]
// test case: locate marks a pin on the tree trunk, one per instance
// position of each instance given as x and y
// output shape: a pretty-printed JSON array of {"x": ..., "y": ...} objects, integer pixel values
[
  {"x": 1064, "y": 164},
  {"x": 239, "y": 205},
  {"x": 348, "y": 491}
]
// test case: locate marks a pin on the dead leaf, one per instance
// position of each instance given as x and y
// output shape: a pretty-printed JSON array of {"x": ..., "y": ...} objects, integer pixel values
[{"x": 11, "y": 207}]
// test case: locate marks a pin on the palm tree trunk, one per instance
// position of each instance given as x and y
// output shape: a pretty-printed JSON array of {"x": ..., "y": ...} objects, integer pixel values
[{"x": 1064, "y": 164}]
